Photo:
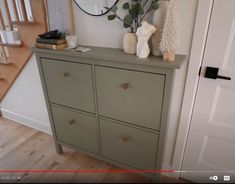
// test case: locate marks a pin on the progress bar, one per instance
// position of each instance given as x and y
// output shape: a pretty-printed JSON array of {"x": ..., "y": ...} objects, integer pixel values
[{"x": 87, "y": 171}]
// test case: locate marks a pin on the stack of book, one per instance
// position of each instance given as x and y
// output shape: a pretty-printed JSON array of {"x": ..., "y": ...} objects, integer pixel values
[{"x": 51, "y": 43}]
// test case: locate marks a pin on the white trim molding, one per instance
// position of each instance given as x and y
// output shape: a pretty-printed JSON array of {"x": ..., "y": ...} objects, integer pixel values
[
  {"x": 202, "y": 23},
  {"x": 27, "y": 121}
]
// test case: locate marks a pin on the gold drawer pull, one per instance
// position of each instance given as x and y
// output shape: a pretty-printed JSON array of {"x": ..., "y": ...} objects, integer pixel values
[
  {"x": 72, "y": 122},
  {"x": 125, "y": 85},
  {"x": 64, "y": 75},
  {"x": 125, "y": 138}
]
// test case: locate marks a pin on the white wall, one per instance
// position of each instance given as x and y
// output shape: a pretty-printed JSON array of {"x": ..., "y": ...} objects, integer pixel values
[
  {"x": 25, "y": 101},
  {"x": 187, "y": 18},
  {"x": 97, "y": 31}
]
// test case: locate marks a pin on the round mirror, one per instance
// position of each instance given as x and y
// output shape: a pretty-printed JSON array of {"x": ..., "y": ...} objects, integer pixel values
[{"x": 95, "y": 7}]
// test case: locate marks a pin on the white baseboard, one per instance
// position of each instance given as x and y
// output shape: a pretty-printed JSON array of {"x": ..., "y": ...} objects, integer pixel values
[
  {"x": 166, "y": 166},
  {"x": 27, "y": 121}
]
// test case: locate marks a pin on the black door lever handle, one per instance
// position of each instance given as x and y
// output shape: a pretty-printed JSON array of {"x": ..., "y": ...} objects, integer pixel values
[
  {"x": 212, "y": 73},
  {"x": 223, "y": 77}
]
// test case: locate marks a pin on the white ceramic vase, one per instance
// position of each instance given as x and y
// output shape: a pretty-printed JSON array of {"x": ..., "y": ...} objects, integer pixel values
[{"x": 130, "y": 43}]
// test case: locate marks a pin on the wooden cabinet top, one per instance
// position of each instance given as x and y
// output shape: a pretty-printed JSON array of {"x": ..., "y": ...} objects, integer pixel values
[{"x": 116, "y": 55}]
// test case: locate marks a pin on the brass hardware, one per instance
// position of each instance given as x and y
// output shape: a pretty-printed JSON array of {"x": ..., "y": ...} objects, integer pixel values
[
  {"x": 125, "y": 138},
  {"x": 64, "y": 74},
  {"x": 72, "y": 122},
  {"x": 125, "y": 85}
]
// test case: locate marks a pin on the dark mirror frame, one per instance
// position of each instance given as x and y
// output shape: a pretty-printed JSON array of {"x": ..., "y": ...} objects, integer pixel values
[{"x": 93, "y": 14}]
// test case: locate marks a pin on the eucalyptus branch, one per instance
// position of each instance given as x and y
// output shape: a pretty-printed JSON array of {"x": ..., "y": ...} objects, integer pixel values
[
  {"x": 131, "y": 27},
  {"x": 137, "y": 11},
  {"x": 136, "y": 24},
  {"x": 145, "y": 3}
]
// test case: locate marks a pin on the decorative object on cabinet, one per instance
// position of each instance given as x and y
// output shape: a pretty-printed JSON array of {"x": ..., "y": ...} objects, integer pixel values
[
  {"x": 129, "y": 43},
  {"x": 51, "y": 46},
  {"x": 159, "y": 18},
  {"x": 51, "y": 41},
  {"x": 102, "y": 98},
  {"x": 95, "y": 7},
  {"x": 54, "y": 40},
  {"x": 144, "y": 33},
  {"x": 60, "y": 15},
  {"x": 71, "y": 41},
  {"x": 137, "y": 11},
  {"x": 170, "y": 36},
  {"x": 54, "y": 34}
]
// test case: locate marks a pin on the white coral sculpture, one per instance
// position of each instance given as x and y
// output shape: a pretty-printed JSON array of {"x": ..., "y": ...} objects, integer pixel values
[{"x": 171, "y": 34}]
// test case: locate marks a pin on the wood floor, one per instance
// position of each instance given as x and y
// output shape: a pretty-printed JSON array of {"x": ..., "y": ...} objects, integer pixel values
[{"x": 23, "y": 148}]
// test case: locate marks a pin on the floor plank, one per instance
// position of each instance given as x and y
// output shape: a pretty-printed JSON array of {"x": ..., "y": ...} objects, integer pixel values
[{"x": 23, "y": 148}]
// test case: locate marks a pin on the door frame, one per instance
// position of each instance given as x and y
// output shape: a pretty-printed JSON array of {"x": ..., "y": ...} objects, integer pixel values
[{"x": 202, "y": 23}]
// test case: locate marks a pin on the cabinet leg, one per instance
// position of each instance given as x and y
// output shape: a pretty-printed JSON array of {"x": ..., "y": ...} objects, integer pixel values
[{"x": 59, "y": 149}]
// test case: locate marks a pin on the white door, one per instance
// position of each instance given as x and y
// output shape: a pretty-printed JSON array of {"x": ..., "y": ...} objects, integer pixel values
[{"x": 211, "y": 139}]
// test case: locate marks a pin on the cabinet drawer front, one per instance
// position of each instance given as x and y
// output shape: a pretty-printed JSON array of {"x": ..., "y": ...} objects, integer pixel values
[
  {"x": 130, "y": 96},
  {"x": 69, "y": 84},
  {"x": 75, "y": 129},
  {"x": 130, "y": 146}
]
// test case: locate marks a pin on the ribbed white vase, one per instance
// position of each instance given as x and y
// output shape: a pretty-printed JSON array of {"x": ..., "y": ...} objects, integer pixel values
[{"x": 130, "y": 43}]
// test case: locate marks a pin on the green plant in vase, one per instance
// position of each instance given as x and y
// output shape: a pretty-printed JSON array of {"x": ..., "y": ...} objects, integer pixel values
[{"x": 136, "y": 13}]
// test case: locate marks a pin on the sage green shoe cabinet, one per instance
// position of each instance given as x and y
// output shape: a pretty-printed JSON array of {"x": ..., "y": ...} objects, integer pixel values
[{"x": 111, "y": 105}]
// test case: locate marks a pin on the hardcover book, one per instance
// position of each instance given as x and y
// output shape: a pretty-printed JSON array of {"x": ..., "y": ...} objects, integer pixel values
[
  {"x": 51, "y": 46},
  {"x": 51, "y": 41}
]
